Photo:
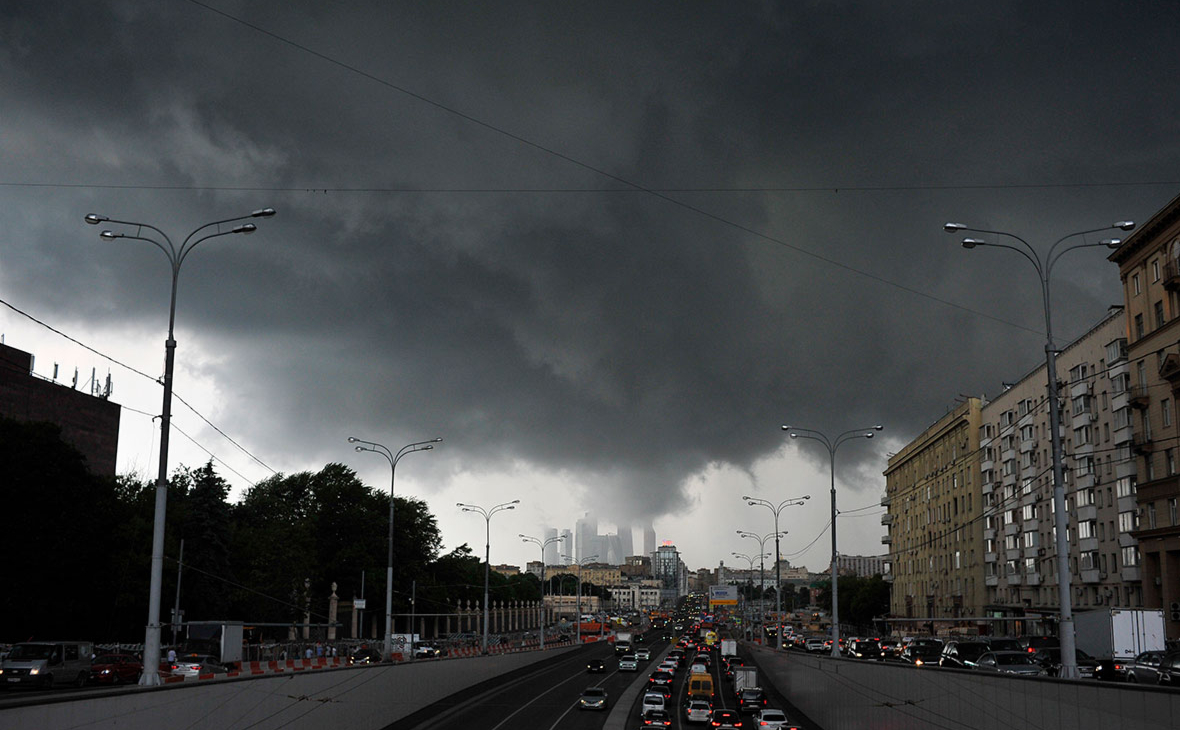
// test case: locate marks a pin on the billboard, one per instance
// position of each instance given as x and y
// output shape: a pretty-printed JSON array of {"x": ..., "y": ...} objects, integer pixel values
[{"x": 723, "y": 596}]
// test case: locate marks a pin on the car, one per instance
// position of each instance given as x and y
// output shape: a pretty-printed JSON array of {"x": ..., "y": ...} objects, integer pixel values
[
  {"x": 652, "y": 701},
  {"x": 427, "y": 651},
  {"x": 364, "y": 655},
  {"x": 698, "y": 668},
  {"x": 1145, "y": 669},
  {"x": 891, "y": 647},
  {"x": 1169, "y": 669},
  {"x": 772, "y": 719},
  {"x": 643, "y": 654},
  {"x": 725, "y": 719},
  {"x": 1050, "y": 659},
  {"x": 866, "y": 649},
  {"x": 962, "y": 654},
  {"x": 1004, "y": 644},
  {"x": 1034, "y": 644},
  {"x": 1010, "y": 662},
  {"x": 660, "y": 680},
  {"x": 697, "y": 711},
  {"x": 115, "y": 668},
  {"x": 595, "y": 666},
  {"x": 814, "y": 645},
  {"x": 656, "y": 718},
  {"x": 193, "y": 665},
  {"x": 593, "y": 698},
  {"x": 752, "y": 699},
  {"x": 628, "y": 663}
]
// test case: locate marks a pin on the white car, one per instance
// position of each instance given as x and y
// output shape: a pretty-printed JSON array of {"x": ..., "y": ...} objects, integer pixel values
[
  {"x": 668, "y": 665},
  {"x": 698, "y": 668},
  {"x": 697, "y": 711},
  {"x": 773, "y": 719},
  {"x": 643, "y": 654},
  {"x": 628, "y": 663},
  {"x": 651, "y": 701}
]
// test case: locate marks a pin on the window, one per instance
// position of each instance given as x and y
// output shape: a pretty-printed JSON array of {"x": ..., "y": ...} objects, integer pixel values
[
  {"x": 1172, "y": 510},
  {"x": 1086, "y": 529},
  {"x": 1159, "y": 314},
  {"x": 1030, "y": 539},
  {"x": 1138, "y": 326},
  {"x": 1151, "y": 515},
  {"x": 1170, "y": 459},
  {"x": 1131, "y": 556},
  {"x": 1128, "y": 521},
  {"x": 1124, "y": 487},
  {"x": 1155, "y": 270},
  {"x": 1029, "y": 512},
  {"x": 1166, "y": 411},
  {"x": 1135, "y": 287}
]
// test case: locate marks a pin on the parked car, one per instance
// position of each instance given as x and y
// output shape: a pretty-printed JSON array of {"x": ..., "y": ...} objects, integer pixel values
[
  {"x": 1010, "y": 662},
  {"x": 1145, "y": 669},
  {"x": 772, "y": 719},
  {"x": 1050, "y": 658},
  {"x": 193, "y": 665},
  {"x": 962, "y": 654},
  {"x": 115, "y": 668},
  {"x": 593, "y": 698}
]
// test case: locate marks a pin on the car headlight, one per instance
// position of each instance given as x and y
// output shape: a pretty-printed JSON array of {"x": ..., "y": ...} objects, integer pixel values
[{"x": 34, "y": 670}]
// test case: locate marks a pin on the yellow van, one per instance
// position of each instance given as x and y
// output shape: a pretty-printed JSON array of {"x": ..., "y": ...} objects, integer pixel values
[{"x": 700, "y": 687}]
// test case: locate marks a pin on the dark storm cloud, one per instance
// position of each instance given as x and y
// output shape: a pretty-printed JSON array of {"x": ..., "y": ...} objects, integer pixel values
[{"x": 614, "y": 335}]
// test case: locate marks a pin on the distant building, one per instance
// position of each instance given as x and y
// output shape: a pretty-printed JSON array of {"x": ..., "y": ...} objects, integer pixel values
[
  {"x": 649, "y": 540},
  {"x": 507, "y": 569},
  {"x": 864, "y": 566},
  {"x": 566, "y": 548},
  {"x": 88, "y": 423},
  {"x": 636, "y": 566},
  {"x": 551, "y": 550},
  {"x": 671, "y": 572}
]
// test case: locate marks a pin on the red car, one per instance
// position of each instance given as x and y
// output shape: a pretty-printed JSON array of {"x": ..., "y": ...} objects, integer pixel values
[{"x": 115, "y": 668}]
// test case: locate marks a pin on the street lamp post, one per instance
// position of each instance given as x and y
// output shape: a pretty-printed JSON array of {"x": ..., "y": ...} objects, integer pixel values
[
  {"x": 542, "y": 544},
  {"x": 487, "y": 551},
  {"x": 776, "y": 510},
  {"x": 392, "y": 458},
  {"x": 761, "y": 540},
  {"x": 1044, "y": 267},
  {"x": 750, "y": 560},
  {"x": 580, "y": 563},
  {"x": 831, "y": 445},
  {"x": 176, "y": 256}
]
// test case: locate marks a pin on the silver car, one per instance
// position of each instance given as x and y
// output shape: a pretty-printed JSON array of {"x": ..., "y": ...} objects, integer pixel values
[
  {"x": 698, "y": 711},
  {"x": 773, "y": 720},
  {"x": 1010, "y": 662}
]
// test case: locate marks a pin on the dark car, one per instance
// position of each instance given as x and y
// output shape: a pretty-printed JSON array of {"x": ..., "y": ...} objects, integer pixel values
[
  {"x": 922, "y": 654},
  {"x": 962, "y": 654},
  {"x": 727, "y": 719},
  {"x": 656, "y": 718},
  {"x": 1003, "y": 644},
  {"x": 1049, "y": 657},
  {"x": 751, "y": 700},
  {"x": 595, "y": 666},
  {"x": 364, "y": 655},
  {"x": 115, "y": 668},
  {"x": 1145, "y": 669},
  {"x": 1034, "y": 644},
  {"x": 1170, "y": 669},
  {"x": 866, "y": 649},
  {"x": 593, "y": 698},
  {"x": 1010, "y": 662}
]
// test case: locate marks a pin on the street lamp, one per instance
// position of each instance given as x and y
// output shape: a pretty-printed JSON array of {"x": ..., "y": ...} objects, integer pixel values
[
  {"x": 831, "y": 445},
  {"x": 176, "y": 256},
  {"x": 487, "y": 565},
  {"x": 392, "y": 458},
  {"x": 776, "y": 510},
  {"x": 542, "y": 544},
  {"x": 761, "y": 540},
  {"x": 1044, "y": 267},
  {"x": 580, "y": 563},
  {"x": 750, "y": 560}
]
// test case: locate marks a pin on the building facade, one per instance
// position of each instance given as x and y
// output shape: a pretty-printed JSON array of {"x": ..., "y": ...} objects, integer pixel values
[
  {"x": 1020, "y": 563},
  {"x": 88, "y": 423},
  {"x": 1149, "y": 267},
  {"x": 864, "y": 566},
  {"x": 933, "y": 517}
]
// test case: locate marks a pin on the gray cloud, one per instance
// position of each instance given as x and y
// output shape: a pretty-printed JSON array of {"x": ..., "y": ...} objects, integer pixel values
[{"x": 612, "y": 335}]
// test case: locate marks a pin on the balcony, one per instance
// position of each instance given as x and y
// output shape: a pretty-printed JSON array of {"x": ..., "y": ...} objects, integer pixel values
[
  {"x": 1080, "y": 388},
  {"x": 1119, "y": 400},
  {"x": 1087, "y": 513},
  {"x": 1014, "y": 579},
  {"x": 1032, "y": 579},
  {"x": 885, "y": 540},
  {"x": 1027, "y": 445},
  {"x": 1126, "y": 504},
  {"x": 1088, "y": 544},
  {"x": 888, "y": 577},
  {"x": 1008, "y": 454},
  {"x": 1172, "y": 274},
  {"x": 1012, "y": 528},
  {"x": 1126, "y": 540},
  {"x": 1080, "y": 450},
  {"x": 885, "y": 499},
  {"x": 987, "y": 487},
  {"x": 1092, "y": 575},
  {"x": 1138, "y": 396},
  {"x": 991, "y": 580},
  {"x": 989, "y": 533},
  {"x": 1125, "y": 469},
  {"x": 1084, "y": 481},
  {"x": 1130, "y": 573},
  {"x": 1124, "y": 435},
  {"x": 1008, "y": 480},
  {"x": 987, "y": 558},
  {"x": 1141, "y": 444},
  {"x": 1031, "y": 525}
]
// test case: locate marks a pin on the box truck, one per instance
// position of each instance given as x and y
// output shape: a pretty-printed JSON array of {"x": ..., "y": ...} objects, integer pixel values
[
  {"x": 1119, "y": 633},
  {"x": 728, "y": 647},
  {"x": 744, "y": 678}
]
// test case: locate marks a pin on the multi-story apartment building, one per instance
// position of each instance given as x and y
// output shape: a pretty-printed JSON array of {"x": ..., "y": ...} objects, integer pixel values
[
  {"x": 865, "y": 566},
  {"x": 1149, "y": 266},
  {"x": 1020, "y": 564},
  {"x": 935, "y": 530}
]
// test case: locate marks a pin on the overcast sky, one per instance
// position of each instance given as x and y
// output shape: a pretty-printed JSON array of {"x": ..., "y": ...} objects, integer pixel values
[{"x": 605, "y": 250}]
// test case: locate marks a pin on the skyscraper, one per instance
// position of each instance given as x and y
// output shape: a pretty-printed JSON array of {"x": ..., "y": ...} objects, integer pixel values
[
  {"x": 551, "y": 550},
  {"x": 627, "y": 543},
  {"x": 567, "y": 544},
  {"x": 649, "y": 540},
  {"x": 586, "y": 530}
]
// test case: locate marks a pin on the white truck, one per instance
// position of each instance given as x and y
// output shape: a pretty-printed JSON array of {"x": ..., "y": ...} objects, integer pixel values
[
  {"x": 1119, "y": 633},
  {"x": 622, "y": 643},
  {"x": 728, "y": 647},
  {"x": 222, "y": 639},
  {"x": 744, "y": 678}
]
